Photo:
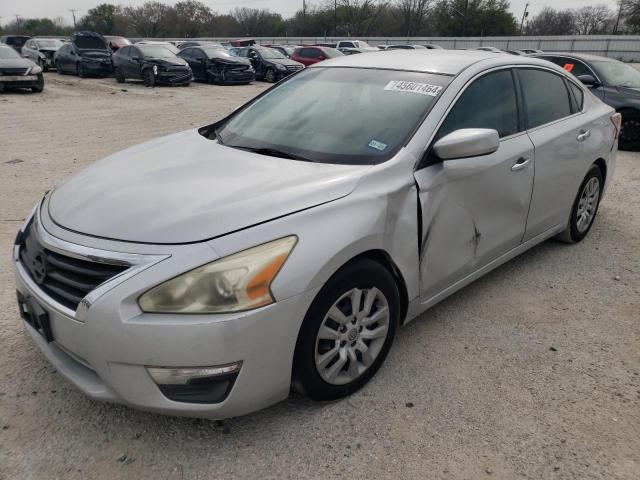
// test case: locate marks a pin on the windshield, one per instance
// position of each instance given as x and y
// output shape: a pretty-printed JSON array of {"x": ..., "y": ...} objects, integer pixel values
[
  {"x": 8, "y": 53},
  {"x": 156, "y": 51},
  {"x": 269, "y": 53},
  {"x": 49, "y": 43},
  {"x": 363, "y": 44},
  {"x": 216, "y": 52},
  {"x": 336, "y": 115},
  {"x": 617, "y": 73}
]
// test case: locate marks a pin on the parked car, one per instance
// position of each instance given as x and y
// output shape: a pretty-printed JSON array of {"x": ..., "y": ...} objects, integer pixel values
[
  {"x": 353, "y": 51},
  {"x": 87, "y": 54},
  {"x": 489, "y": 49},
  {"x": 615, "y": 83},
  {"x": 529, "y": 50},
  {"x": 401, "y": 47},
  {"x": 242, "y": 42},
  {"x": 360, "y": 45},
  {"x": 200, "y": 43},
  {"x": 311, "y": 55},
  {"x": 153, "y": 64},
  {"x": 41, "y": 51},
  {"x": 286, "y": 50},
  {"x": 269, "y": 64},
  {"x": 168, "y": 45},
  {"x": 329, "y": 44},
  {"x": 116, "y": 42},
  {"x": 15, "y": 41},
  {"x": 206, "y": 272},
  {"x": 18, "y": 72},
  {"x": 213, "y": 65}
]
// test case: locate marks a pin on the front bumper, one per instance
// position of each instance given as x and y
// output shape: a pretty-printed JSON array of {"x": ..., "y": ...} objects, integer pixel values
[
  {"x": 174, "y": 78},
  {"x": 104, "y": 349},
  {"x": 18, "y": 81}
]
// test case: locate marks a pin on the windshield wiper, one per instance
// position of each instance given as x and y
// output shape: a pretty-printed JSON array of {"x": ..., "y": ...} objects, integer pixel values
[{"x": 273, "y": 152}]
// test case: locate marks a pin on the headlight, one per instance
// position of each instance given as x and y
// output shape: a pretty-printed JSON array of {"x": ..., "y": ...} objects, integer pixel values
[
  {"x": 279, "y": 66},
  {"x": 35, "y": 70},
  {"x": 155, "y": 69},
  {"x": 241, "y": 281}
]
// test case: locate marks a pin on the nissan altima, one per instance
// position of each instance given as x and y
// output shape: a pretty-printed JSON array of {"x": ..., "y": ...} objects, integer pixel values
[{"x": 206, "y": 272}]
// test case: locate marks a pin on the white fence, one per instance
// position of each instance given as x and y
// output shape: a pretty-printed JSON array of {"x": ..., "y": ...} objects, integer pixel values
[{"x": 621, "y": 47}]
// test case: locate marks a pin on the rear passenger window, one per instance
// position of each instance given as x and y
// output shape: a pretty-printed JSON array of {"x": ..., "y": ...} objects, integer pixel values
[
  {"x": 545, "y": 95},
  {"x": 571, "y": 65},
  {"x": 578, "y": 95},
  {"x": 490, "y": 102}
]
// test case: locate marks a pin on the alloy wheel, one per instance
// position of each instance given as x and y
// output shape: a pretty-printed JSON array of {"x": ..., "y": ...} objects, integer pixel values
[
  {"x": 588, "y": 204},
  {"x": 630, "y": 131},
  {"x": 352, "y": 335}
]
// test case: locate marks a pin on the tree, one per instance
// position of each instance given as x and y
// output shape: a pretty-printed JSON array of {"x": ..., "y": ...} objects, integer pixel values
[
  {"x": 551, "y": 22},
  {"x": 358, "y": 17},
  {"x": 191, "y": 18},
  {"x": 106, "y": 18},
  {"x": 591, "y": 20},
  {"x": 151, "y": 20},
  {"x": 631, "y": 12},
  {"x": 412, "y": 14},
  {"x": 473, "y": 18},
  {"x": 258, "y": 23}
]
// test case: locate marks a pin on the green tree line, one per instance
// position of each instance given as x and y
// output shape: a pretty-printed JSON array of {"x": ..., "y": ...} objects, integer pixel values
[{"x": 356, "y": 18}]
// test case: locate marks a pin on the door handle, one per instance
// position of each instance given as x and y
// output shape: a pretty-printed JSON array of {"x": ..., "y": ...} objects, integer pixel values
[
  {"x": 522, "y": 162},
  {"x": 583, "y": 135}
]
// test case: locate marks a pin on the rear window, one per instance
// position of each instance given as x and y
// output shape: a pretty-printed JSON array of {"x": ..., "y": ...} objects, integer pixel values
[
  {"x": 578, "y": 95},
  {"x": 546, "y": 96}
]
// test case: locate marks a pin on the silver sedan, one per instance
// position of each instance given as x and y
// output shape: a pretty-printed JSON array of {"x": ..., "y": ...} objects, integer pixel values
[{"x": 205, "y": 273}]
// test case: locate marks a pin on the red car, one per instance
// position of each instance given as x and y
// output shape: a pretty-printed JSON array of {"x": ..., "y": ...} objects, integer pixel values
[{"x": 313, "y": 54}]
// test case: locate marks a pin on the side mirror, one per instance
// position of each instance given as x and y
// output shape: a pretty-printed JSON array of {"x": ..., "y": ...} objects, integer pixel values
[
  {"x": 589, "y": 81},
  {"x": 467, "y": 142}
]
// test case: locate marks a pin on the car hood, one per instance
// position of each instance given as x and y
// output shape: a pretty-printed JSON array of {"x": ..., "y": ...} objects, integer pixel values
[
  {"x": 16, "y": 63},
  {"x": 167, "y": 61},
  {"x": 94, "y": 53},
  {"x": 185, "y": 188},
  {"x": 631, "y": 92}
]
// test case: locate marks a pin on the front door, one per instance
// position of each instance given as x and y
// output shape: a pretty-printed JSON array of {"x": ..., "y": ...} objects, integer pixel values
[{"x": 475, "y": 209}]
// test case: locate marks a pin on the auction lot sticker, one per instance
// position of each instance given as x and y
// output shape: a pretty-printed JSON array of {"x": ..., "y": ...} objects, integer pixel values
[{"x": 413, "y": 87}]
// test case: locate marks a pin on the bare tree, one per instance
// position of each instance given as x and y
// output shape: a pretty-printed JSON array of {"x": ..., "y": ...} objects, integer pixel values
[
  {"x": 591, "y": 20},
  {"x": 551, "y": 22},
  {"x": 359, "y": 16},
  {"x": 254, "y": 22},
  {"x": 412, "y": 14},
  {"x": 151, "y": 20}
]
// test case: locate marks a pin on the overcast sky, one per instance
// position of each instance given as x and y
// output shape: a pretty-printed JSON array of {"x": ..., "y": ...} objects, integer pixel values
[{"x": 55, "y": 8}]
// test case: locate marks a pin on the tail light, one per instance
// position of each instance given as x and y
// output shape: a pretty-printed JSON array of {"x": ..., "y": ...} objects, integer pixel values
[{"x": 616, "y": 119}]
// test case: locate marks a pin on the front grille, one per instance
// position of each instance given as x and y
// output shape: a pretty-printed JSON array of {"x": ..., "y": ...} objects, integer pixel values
[
  {"x": 177, "y": 68},
  {"x": 65, "y": 279},
  {"x": 13, "y": 71}
]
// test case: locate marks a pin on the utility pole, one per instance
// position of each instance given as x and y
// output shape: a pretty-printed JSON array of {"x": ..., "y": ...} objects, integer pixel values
[
  {"x": 524, "y": 15},
  {"x": 73, "y": 13}
]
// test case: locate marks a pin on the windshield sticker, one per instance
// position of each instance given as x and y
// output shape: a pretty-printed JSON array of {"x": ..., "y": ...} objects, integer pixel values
[
  {"x": 413, "y": 87},
  {"x": 569, "y": 66},
  {"x": 377, "y": 145}
]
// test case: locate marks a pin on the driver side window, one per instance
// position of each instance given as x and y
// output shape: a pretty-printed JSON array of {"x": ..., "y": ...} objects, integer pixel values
[{"x": 489, "y": 102}]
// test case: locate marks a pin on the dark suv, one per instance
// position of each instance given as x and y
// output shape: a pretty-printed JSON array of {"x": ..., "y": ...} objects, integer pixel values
[
  {"x": 615, "y": 83},
  {"x": 270, "y": 64},
  {"x": 154, "y": 64},
  {"x": 87, "y": 54}
]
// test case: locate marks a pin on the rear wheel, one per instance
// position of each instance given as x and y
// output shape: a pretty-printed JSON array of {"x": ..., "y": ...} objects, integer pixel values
[
  {"x": 347, "y": 331},
  {"x": 585, "y": 207},
  {"x": 59, "y": 68},
  {"x": 119, "y": 75},
  {"x": 630, "y": 130},
  {"x": 149, "y": 78},
  {"x": 39, "y": 87}
]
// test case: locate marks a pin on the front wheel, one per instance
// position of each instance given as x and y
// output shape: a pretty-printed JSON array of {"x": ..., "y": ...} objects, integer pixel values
[
  {"x": 80, "y": 70},
  {"x": 149, "y": 78},
  {"x": 39, "y": 87},
  {"x": 270, "y": 75},
  {"x": 59, "y": 68},
  {"x": 630, "y": 131},
  {"x": 119, "y": 76},
  {"x": 585, "y": 207},
  {"x": 347, "y": 331}
]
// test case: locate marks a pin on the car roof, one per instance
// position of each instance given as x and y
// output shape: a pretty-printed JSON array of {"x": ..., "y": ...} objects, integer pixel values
[{"x": 448, "y": 62}]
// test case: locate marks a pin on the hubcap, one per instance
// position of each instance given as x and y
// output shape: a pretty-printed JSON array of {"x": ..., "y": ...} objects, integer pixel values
[
  {"x": 587, "y": 205},
  {"x": 351, "y": 335}
]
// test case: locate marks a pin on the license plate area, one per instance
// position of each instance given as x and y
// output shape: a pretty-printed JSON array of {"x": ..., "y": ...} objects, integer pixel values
[
  {"x": 36, "y": 316},
  {"x": 18, "y": 78}
]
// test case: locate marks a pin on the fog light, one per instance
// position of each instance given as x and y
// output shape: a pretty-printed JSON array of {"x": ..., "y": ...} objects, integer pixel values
[
  {"x": 183, "y": 376},
  {"x": 196, "y": 384}
]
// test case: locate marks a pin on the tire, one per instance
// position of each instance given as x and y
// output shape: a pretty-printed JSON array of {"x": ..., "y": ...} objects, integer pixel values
[
  {"x": 322, "y": 367},
  {"x": 585, "y": 207},
  {"x": 149, "y": 78},
  {"x": 40, "y": 86},
  {"x": 270, "y": 75},
  {"x": 630, "y": 131},
  {"x": 59, "y": 68},
  {"x": 80, "y": 70},
  {"x": 120, "y": 78},
  {"x": 42, "y": 65}
]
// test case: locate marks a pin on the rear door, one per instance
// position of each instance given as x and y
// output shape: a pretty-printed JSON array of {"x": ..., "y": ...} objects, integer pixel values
[
  {"x": 564, "y": 141},
  {"x": 475, "y": 209}
]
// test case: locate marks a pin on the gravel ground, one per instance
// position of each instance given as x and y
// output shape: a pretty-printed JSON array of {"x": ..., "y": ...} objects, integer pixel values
[{"x": 531, "y": 372}]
